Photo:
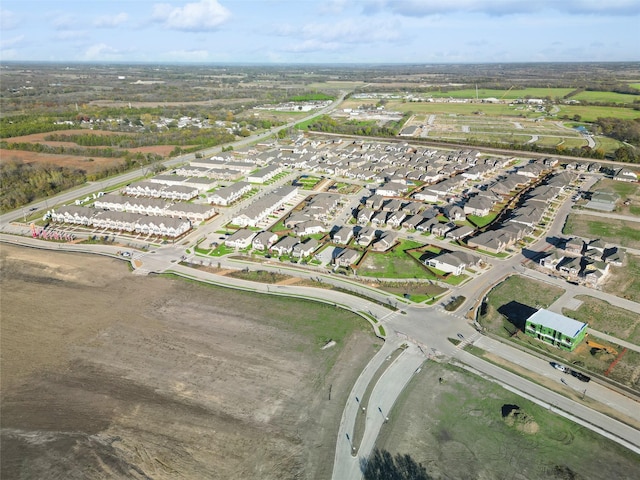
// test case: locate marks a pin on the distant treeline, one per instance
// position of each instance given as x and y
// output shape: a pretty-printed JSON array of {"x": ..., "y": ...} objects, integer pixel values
[
  {"x": 183, "y": 136},
  {"x": 623, "y": 130},
  {"x": 310, "y": 97},
  {"x": 325, "y": 123},
  {"x": 22, "y": 183},
  {"x": 28, "y": 125}
]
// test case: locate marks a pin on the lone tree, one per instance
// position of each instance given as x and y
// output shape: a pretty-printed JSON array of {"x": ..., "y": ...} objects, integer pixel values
[{"x": 381, "y": 465}]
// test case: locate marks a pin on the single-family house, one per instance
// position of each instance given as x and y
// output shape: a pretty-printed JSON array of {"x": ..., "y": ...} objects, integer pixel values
[
  {"x": 284, "y": 246},
  {"x": 441, "y": 229},
  {"x": 385, "y": 241},
  {"x": 365, "y": 236},
  {"x": 343, "y": 235},
  {"x": 395, "y": 218},
  {"x": 264, "y": 240},
  {"x": 345, "y": 257},
  {"x": 310, "y": 227},
  {"x": 305, "y": 249},
  {"x": 460, "y": 232}
]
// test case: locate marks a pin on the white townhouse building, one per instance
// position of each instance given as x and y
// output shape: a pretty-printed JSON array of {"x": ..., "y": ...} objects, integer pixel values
[
  {"x": 195, "y": 212},
  {"x": 74, "y": 214},
  {"x": 241, "y": 238},
  {"x": 227, "y": 195},
  {"x": 264, "y": 174},
  {"x": 265, "y": 206}
]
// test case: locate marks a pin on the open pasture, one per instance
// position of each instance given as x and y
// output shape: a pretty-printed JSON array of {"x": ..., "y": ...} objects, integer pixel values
[
  {"x": 606, "y": 97},
  {"x": 504, "y": 94}
]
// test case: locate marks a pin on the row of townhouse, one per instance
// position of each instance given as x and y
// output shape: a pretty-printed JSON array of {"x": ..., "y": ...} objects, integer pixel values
[
  {"x": 161, "y": 226},
  {"x": 260, "y": 209},
  {"x": 211, "y": 173},
  {"x": 155, "y": 207},
  {"x": 156, "y": 190},
  {"x": 227, "y": 195},
  {"x": 201, "y": 183},
  {"x": 269, "y": 241},
  {"x": 265, "y": 174}
]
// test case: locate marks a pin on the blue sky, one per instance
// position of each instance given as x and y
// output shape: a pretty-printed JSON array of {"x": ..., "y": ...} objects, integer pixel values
[{"x": 320, "y": 31}]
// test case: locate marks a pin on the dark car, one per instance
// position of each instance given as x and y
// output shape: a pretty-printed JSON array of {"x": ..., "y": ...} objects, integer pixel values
[{"x": 580, "y": 376}]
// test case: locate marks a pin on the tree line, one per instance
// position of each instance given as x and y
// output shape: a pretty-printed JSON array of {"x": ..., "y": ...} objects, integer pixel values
[
  {"x": 21, "y": 183},
  {"x": 326, "y": 123}
]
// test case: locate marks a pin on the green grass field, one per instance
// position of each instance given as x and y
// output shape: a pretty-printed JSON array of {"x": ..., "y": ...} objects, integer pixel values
[
  {"x": 459, "y": 108},
  {"x": 451, "y": 421},
  {"x": 591, "y": 113},
  {"x": 505, "y": 94},
  {"x": 526, "y": 292},
  {"x": 607, "y": 318},
  {"x": 608, "y": 97},
  {"x": 395, "y": 264},
  {"x": 607, "y": 229},
  {"x": 624, "y": 189},
  {"x": 625, "y": 278}
]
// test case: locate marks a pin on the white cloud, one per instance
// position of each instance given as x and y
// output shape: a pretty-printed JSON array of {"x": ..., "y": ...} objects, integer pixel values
[
  {"x": 110, "y": 21},
  {"x": 201, "y": 16},
  {"x": 8, "y": 19},
  {"x": 189, "y": 55},
  {"x": 312, "y": 46},
  {"x": 64, "y": 22},
  {"x": 346, "y": 31},
  {"x": 334, "y": 6},
  {"x": 421, "y": 8},
  {"x": 71, "y": 35},
  {"x": 102, "y": 52},
  {"x": 11, "y": 42}
]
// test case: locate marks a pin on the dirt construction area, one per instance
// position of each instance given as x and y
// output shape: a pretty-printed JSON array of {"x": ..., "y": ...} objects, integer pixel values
[{"x": 110, "y": 375}]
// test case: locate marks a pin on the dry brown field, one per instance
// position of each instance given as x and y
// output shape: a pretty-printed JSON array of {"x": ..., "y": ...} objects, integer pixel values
[
  {"x": 70, "y": 161},
  {"x": 109, "y": 375}
]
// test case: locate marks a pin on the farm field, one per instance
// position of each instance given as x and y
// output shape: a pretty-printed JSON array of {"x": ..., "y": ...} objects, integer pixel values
[
  {"x": 95, "y": 165},
  {"x": 115, "y": 376},
  {"x": 592, "y": 113},
  {"x": 506, "y": 94},
  {"x": 457, "y": 429},
  {"x": 606, "y": 97}
]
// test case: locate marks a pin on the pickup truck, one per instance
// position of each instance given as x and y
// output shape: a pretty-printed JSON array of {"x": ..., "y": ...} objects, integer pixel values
[{"x": 557, "y": 366}]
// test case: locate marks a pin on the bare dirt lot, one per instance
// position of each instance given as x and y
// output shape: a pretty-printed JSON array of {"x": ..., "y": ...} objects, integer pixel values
[
  {"x": 110, "y": 375},
  {"x": 69, "y": 161}
]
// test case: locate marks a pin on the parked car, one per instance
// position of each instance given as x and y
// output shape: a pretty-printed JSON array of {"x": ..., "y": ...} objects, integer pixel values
[
  {"x": 560, "y": 367},
  {"x": 580, "y": 376}
]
